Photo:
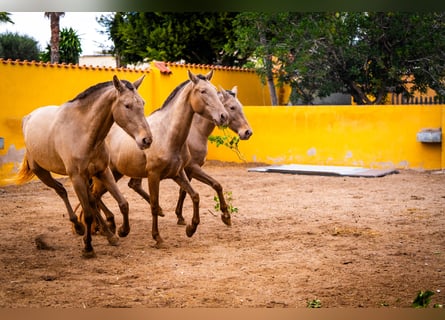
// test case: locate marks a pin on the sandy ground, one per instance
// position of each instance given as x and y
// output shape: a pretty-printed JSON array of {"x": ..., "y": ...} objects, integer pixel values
[{"x": 347, "y": 242}]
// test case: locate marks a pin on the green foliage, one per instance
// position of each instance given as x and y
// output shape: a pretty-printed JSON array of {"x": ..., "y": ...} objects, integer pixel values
[
  {"x": 4, "y": 17},
  {"x": 229, "y": 200},
  {"x": 227, "y": 140},
  {"x": 422, "y": 299},
  {"x": 364, "y": 54},
  {"x": 14, "y": 46},
  {"x": 69, "y": 47},
  {"x": 191, "y": 36},
  {"x": 314, "y": 304}
]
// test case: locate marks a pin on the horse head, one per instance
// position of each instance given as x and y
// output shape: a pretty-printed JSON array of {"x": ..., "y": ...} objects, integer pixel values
[
  {"x": 204, "y": 99},
  {"x": 237, "y": 120},
  {"x": 128, "y": 112}
]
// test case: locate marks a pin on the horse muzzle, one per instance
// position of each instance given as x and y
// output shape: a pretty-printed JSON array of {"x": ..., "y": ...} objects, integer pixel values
[{"x": 144, "y": 143}]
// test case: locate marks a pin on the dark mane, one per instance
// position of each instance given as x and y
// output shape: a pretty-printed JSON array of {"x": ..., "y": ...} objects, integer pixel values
[
  {"x": 173, "y": 94},
  {"x": 97, "y": 87}
]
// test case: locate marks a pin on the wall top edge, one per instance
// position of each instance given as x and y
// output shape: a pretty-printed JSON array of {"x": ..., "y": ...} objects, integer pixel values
[
  {"x": 208, "y": 66},
  {"x": 64, "y": 65}
]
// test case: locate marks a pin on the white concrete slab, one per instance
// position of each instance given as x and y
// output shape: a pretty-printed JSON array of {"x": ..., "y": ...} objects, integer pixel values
[{"x": 342, "y": 171}]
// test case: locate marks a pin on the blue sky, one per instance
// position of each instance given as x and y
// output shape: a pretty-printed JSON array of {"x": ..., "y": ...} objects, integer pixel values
[{"x": 35, "y": 25}]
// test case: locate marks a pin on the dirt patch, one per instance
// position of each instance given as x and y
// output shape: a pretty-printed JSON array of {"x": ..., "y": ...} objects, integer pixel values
[{"x": 349, "y": 242}]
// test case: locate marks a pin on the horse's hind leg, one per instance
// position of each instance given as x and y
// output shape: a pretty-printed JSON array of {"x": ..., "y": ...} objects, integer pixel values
[
  {"x": 199, "y": 174},
  {"x": 136, "y": 185},
  {"x": 106, "y": 177},
  {"x": 179, "y": 206},
  {"x": 46, "y": 178}
]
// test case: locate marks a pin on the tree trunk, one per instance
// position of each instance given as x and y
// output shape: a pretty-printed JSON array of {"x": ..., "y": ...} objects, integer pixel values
[{"x": 55, "y": 34}]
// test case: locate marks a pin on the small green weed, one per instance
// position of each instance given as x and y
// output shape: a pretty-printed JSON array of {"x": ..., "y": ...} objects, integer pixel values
[
  {"x": 423, "y": 299},
  {"x": 314, "y": 304},
  {"x": 229, "y": 199}
]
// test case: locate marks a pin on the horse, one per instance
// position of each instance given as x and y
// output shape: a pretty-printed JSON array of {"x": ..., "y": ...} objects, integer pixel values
[
  {"x": 197, "y": 138},
  {"x": 70, "y": 140},
  {"x": 168, "y": 155},
  {"x": 197, "y": 144}
]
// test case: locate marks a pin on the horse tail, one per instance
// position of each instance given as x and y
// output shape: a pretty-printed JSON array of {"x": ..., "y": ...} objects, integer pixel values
[{"x": 25, "y": 173}]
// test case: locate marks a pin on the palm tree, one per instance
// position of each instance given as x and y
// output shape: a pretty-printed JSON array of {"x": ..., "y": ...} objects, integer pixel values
[
  {"x": 55, "y": 34},
  {"x": 4, "y": 17}
]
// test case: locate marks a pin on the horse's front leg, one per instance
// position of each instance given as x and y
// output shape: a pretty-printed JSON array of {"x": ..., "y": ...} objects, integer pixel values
[
  {"x": 200, "y": 175},
  {"x": 106, "y": 177},
  {"x": 184, "y": 183},
  {"x": 88, "y": 203},
  {"x": 153, "y": 188}
]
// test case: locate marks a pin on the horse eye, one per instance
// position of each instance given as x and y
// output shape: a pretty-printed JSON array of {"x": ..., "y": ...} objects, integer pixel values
[
  {"x": 232, "y": 108},
  {"x": 127, "y": 106}
]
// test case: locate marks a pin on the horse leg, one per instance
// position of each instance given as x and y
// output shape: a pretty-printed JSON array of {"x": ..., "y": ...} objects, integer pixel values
[
  {"x": 179, "y": 206},
  {"x": 136, "y": 185},
  {"x": 99, "y": 190},
  {"x": 199, "y": 174},
  {"x": 89, "y": 206},
  {"x": 184, "y": 183},
  {"x": 106, "y": 177},
  {"x": 153, "y": 188},
  {"x": 181, "y": 198},
  {"x": 46, "y": 177}
]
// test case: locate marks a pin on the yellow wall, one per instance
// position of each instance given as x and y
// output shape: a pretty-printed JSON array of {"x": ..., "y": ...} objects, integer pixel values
[
  {"x": 374, "y": 136},
  {"x": 369, "y": 136}
]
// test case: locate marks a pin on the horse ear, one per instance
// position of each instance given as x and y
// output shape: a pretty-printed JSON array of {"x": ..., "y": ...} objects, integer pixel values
[
  {"x": 192, "y": 77},
  {"x": 138, "y": 82},
  {"x": 223, "y": 92},
  {"x": 209, "y": 75},
  {"x": 235, "y": 90},
  {"x": 117, "y": 84}
]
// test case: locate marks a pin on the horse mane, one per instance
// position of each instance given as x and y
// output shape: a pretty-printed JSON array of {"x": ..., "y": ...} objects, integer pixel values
[
  {"x": 97, "y": 87},
  {"x": 175, "y": 91}
]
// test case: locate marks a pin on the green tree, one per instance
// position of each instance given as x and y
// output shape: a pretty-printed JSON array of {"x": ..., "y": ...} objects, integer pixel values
[
  {"x": 69, "y": 47},
  {"x": 14, "y": 46},
  {"x": 190, "y": 36},
  {"x": 364, "y": 54}
]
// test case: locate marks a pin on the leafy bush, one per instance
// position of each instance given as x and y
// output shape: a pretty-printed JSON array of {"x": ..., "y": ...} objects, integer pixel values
[{"x": 14, "y": 46}]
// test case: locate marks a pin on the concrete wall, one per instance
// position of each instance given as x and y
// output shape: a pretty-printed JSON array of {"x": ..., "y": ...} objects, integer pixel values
[{"x": 374, "y": 136}]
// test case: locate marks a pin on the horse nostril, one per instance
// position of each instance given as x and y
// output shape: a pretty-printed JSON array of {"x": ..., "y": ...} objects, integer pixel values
[
  {"x": 248, "y": 133},
  {"x": 147, "y": 141}
]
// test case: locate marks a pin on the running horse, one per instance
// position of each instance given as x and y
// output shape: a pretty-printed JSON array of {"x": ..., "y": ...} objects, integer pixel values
[
  {"x": 197, "y": 144},
  {"x": 70, "y": 140},
  {"x": 168, "y": 155}
]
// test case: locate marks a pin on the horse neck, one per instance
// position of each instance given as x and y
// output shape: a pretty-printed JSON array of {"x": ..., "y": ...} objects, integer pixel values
[
  {"x": 99, "y": 117},
  {"x": 202, "y": 126},
  {"x": 180, "y": 115}
]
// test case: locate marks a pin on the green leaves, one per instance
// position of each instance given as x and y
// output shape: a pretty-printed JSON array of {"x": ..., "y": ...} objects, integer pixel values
[{"x": 227, "y": 140}]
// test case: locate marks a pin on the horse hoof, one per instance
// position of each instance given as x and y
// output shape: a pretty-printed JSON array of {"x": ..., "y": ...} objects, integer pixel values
[
  {"x": 160, "y": 213},
  {"x": 160, "y": 245},
  {"x": 80, "y": 228},
  {"x": 227, "y": 220},
  {"x": 113, "y": 240},
  {"x": 190, "y": 230},
  {"x": 181, "y": 222},
  {"x": 88, "y": 254},
  {"x": 123, "y": 233}
]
